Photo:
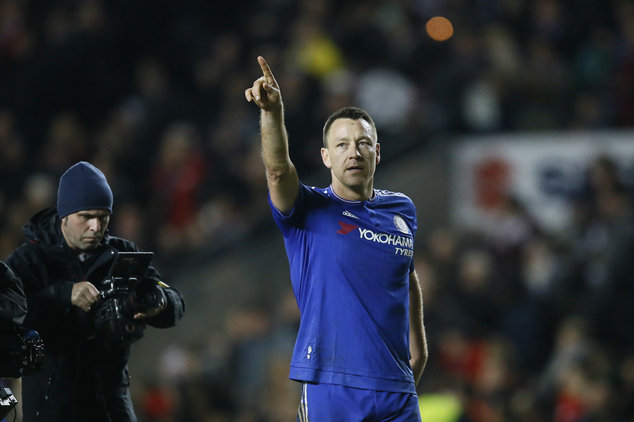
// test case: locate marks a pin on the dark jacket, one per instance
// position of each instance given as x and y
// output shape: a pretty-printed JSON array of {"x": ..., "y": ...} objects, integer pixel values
[
  {"x": 12, "y": 313},
  {"x": 82, "y": 380},
  {"x": 12, "y": 299}
]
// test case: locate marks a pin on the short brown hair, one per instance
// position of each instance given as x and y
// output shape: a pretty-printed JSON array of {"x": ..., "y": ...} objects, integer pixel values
[{"x": 354, "y": 113}]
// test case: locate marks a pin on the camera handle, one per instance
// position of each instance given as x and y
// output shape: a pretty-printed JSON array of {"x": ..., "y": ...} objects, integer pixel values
[
  {"x": 108, "y": 288},
  {"x": 115, "y": 284}
]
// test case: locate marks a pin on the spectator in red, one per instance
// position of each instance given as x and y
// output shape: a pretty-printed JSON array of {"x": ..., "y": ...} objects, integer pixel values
[{"x": 177, "y": 178}]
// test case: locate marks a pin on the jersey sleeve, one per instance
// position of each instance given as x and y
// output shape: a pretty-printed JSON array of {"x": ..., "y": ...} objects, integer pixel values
[{"x": 287, "y": 222}]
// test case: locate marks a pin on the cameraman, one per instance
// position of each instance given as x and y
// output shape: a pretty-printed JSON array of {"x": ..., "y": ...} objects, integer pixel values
[
  {"x": 12, "y": 313},
  {"x": 67, "y": 253}
]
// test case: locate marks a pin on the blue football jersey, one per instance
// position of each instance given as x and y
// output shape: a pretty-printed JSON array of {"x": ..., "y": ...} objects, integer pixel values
[{"x": 349, "y": 264}]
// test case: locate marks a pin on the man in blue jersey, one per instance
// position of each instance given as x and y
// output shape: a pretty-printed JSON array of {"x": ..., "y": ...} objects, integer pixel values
[{"x": 361, "y": 345}]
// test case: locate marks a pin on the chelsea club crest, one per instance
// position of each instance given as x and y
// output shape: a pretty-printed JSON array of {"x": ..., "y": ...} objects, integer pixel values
[{"x": 400, "y": 224}]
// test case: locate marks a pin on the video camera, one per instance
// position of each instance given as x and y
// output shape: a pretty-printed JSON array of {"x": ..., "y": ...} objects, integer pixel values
[
  {"x": 21, "y": 352},
  {"x": 125, "y": 293}
]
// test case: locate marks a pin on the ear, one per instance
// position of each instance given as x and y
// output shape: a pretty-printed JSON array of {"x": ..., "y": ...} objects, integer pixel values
[
  {"x": 325, "y": 157},
  {"x": 378, "y": 153}
]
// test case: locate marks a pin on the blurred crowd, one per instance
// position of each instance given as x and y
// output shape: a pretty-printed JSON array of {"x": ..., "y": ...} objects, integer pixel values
[
  {"x": 524, "y": 325},
  {"x": 530, "y": 325},
  {"x": 152, "y": 93}
]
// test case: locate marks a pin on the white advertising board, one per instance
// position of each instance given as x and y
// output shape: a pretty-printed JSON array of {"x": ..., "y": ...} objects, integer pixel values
[{"x": 541, "y": 170}]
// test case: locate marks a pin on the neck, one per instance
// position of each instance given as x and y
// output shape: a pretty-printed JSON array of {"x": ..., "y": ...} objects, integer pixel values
[{"x": 351, "y": 194}]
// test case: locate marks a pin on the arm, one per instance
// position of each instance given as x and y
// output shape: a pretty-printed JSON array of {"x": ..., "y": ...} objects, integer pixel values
[
  {"x": 417, "y": 337},
  {"x": 48, "y": 301},
  {"x": 281, "y": 174},
  {"x": 12, "y": 298}
]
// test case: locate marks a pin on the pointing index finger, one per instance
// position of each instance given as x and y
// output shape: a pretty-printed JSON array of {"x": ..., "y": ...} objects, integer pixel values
[{"x": 266, "y": 71}]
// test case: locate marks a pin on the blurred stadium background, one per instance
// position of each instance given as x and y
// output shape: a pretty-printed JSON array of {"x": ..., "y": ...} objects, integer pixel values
[{"x": 514, "y": 139}]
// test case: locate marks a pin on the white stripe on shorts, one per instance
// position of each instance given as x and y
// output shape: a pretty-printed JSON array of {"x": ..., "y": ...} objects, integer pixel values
[{"x": 303, "y": 404}]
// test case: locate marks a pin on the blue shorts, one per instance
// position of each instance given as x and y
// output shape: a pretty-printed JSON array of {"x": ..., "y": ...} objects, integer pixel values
[{"x": 336, "y": 403}]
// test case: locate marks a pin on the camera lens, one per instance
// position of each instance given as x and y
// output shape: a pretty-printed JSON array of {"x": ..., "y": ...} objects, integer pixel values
[
  {"x": 145, "y": 295},
  {"x": 146, "y": 298}
]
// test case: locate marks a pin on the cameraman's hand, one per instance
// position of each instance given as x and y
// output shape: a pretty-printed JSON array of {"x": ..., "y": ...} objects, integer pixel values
[
  {"x": 84, "y": 295},
  {"x": 152, "y": 311}
]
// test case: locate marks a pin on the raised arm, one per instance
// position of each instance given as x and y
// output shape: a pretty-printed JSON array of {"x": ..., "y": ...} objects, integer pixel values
[
  {"x": 281, "y": 174},
  {"x": 417, "y": 337}
]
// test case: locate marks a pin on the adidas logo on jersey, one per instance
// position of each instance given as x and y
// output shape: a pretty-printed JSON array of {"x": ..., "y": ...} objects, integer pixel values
[{"x": 349, "y": 214}]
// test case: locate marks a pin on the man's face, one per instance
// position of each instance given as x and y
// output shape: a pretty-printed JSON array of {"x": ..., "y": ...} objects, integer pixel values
[
  {"x": 352, "y": 154},
  {"x": 84, "y": 230}
]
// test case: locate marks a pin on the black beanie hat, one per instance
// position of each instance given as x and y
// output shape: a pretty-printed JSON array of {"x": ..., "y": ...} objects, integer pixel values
[{"x": 83, "y": 187}]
